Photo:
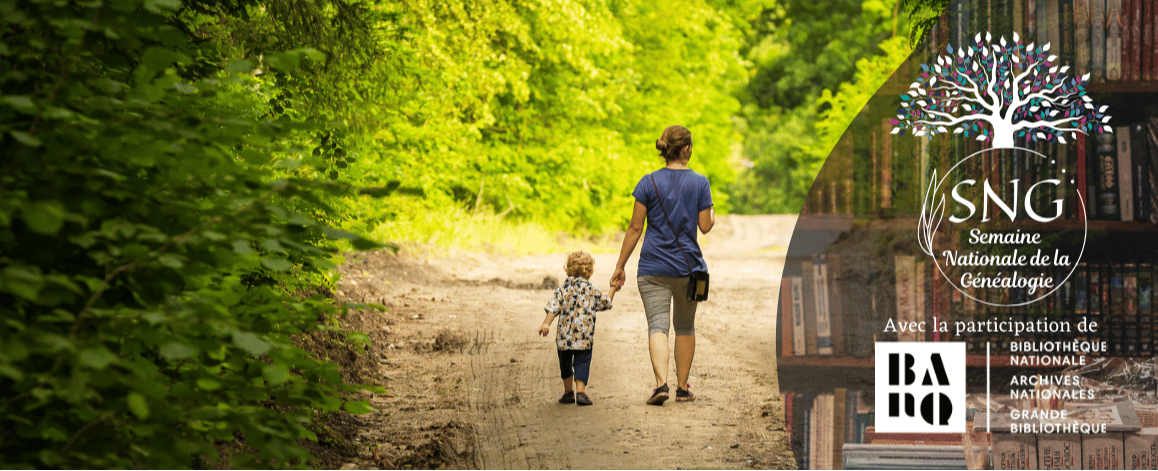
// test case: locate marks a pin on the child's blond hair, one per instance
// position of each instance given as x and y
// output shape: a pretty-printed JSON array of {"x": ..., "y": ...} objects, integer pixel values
[{"x": 580, "y": 264}]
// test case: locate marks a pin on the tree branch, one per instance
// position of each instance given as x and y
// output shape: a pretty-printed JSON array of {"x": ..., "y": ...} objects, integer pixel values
[
  {"x": 1047, "y": 124},
  {"x": 977, "y": 94},
  {"x": 1017, "y": 83},
  {"x": 1044, "y": 94},
  {"x": 954, "y": 121}
]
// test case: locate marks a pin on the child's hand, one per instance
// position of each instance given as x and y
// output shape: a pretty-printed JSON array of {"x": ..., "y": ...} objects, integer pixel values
[
  {"x": 544, "y": 330},
  {"x": 614, "y": 290}
]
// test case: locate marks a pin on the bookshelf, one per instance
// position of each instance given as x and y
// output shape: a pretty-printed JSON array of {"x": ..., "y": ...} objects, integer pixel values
[{"x": 862, "y": 213}]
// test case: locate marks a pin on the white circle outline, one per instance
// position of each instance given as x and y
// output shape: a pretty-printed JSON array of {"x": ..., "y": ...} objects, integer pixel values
[{"x": 1085, "y": 236}]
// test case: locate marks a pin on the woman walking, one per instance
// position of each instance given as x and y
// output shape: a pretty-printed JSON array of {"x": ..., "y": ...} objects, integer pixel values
[{"x": 675, "y": 200}]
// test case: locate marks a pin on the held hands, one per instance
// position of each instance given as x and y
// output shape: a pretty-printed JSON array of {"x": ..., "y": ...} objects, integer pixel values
[
  {"x": 544, "y": 330},
  {"x": 614, "y": 289},
  {"x": 618, "y": 279}
]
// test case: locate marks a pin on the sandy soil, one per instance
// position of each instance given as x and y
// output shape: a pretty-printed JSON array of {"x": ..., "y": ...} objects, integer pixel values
[{"x": 471, "y": 384}]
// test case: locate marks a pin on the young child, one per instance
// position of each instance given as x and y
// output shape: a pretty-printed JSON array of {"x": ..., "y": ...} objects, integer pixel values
[{"x": 575, "y": 303}]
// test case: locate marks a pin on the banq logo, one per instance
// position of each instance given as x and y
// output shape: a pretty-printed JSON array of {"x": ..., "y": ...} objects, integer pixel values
[{"x": 920, "y": 387}]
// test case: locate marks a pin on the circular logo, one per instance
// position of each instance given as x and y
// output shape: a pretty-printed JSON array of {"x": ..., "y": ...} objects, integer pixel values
[{"x": 1005, "y": 226}]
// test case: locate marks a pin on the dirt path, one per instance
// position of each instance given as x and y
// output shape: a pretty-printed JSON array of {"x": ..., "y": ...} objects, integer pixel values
[{"x": 480, "y": 386}]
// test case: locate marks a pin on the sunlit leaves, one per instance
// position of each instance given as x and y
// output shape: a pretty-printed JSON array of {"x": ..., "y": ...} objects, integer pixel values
[{"x": 151, "y": 240}]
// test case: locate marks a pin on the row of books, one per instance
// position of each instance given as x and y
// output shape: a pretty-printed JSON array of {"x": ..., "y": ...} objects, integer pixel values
[
  {"x": 1121, "y": 177},
  {"x": 833, "y": 310},
  {"x": 814, "y": 317},
  {"x": 818, "y": 424},
  {"x": 1113, "y": 40},
  {"x": 1130, "y": 441},
  {"x": 1116, "y": 174},
  {"x": 834, "y": 430}
]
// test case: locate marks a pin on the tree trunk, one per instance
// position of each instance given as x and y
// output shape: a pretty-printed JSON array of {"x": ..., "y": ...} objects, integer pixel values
[
  {"x": 1002, "y": 135},
  {"x": 1003, "y": 141}
]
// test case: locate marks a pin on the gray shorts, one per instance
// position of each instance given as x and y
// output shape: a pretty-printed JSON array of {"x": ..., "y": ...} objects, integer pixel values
[{"x": 659, "y": 293}]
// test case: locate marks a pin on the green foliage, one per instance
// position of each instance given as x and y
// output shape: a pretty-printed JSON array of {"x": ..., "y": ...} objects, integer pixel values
[
  {"x": 800, "y": 52},
  {"x": 923, "y": 16},
  {"x": 159, "y": 202},
  {"x": 535, "y": 110}
]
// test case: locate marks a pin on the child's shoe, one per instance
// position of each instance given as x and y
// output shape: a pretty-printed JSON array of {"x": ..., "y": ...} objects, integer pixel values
[
  {"x": 583, "y": 400},
  {"x": 685, "y": 395},
  {"x": 568, "y": 398}
]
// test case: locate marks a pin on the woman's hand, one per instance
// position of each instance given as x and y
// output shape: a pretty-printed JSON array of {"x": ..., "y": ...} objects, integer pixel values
[
  {"x": 618, "y": 279},
  {"x": 544, "y": 330}
]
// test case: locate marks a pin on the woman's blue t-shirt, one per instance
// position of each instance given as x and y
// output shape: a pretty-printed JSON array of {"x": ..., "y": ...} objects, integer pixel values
[{"x": 684, "y": 193}]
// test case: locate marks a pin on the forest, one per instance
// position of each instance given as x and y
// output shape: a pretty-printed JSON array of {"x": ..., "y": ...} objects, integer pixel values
[{"x": 181, "y": 178}]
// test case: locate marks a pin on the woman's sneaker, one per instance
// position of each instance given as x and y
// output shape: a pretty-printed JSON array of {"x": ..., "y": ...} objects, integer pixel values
[
  {"x": 685, "y": 395},
  {"x": 582, "y": 399},
  {"x": 568, "y": 398},
  {"x": 659, "y": 395}
]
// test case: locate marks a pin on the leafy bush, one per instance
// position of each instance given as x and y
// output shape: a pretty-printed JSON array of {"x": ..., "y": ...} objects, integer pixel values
[{"x": 158, "y": 203}]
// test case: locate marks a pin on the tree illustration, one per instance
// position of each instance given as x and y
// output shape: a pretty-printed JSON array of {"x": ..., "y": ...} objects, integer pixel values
[{"x": 998, "y": 91}]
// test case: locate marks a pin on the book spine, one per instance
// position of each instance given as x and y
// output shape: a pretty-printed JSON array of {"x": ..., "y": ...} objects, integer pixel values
[
  {"x": 1053, "y": 26},
  {"x": 960, "y": 24},
  {"x": 1141, "y": 451},
  {"x": 1030, "y": 20},
  {"x": 1062, "y": 157},
  {"x": 1154, "y": 310},
  {"x": 922, "y": 301},
  {"x": 1059, "y": 451},
  {"x": 1014, "y": 451},
  {"x": 1107, "y": 177},
  {"x": 1116, "y": 309},
  {"x": 906, "y": 296},
  {"x": 886, "y": 154},
  {"x": 835, "y": 306},
  {"x": 785, "y": 317},
  {"x": 1098, "y": 40},
  {"x": 1066, "y": 29},
  {"x": 823, "y": 319},
  {"x": 839, "y": 422},
  {"x": 1043, "y": 20},
  {"x": 786, "y": 399},
  {"x": 1150, "y": 45},
  {"x": 799, "y": 435},
  {"x": 1130, "y": 308},
  {"x": 1125, "y": 181},
  {"x": 1152, "y": 159},
  {"x": 799, "y": 346},
  {"x": 810, "y": 307},
  {"x": 850, "y": 430},
  {"x": 1139, "y": 171},
  {"x": 1146, "y": 308},
  {"x": 1103, "y": 451},
  {"x": 1080, "y": 176},
  {"x": 824, "y": 432},
  {"x": 1127, "y": 40},
  {"x": 1082, "y": 36},
  {"x": 1081, "y": 279},
  {"x": 809, "y": 436},
  {"x": 1113, "y": 39},
  {"x": 1135, "y": 15},
  {"x": 1019, "y": 16},
  {"x": 1095, "y": 300}
]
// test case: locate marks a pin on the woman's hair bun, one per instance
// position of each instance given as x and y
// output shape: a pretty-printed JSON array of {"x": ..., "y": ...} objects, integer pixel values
[{"x": 661, "y": 145}]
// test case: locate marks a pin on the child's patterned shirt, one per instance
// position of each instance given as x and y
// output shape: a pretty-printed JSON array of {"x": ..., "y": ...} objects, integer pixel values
[{"x": 575, "y": 303}]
